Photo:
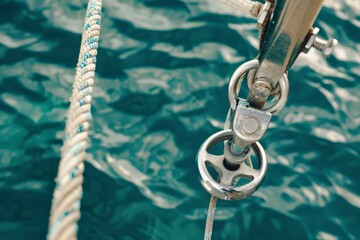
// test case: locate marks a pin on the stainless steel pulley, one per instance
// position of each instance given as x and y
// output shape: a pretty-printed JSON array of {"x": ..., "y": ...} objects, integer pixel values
[{"x": 230, "y": 172}]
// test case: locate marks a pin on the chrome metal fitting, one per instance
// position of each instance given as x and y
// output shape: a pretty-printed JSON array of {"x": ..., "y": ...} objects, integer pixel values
[
  {"x": 324, "y": 46},
  {"x": 261, "y": 90},
  {"x": 233, "y": 156},
  {"x": 283, "y": 39},
  {"x": 320, "y": 44},
  {"x": 311, "y": 40},
  {"x": 237, "y": 78},
  {"x": 262, "y": 15},
  {"x": 229, "y": 175},
  {"x": 249, "y": 125}
]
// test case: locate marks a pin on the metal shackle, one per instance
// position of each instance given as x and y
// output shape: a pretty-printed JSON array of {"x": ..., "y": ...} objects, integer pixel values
[
  {"x": 225, "y": 189},
  {"x": 237, "y": 78}
]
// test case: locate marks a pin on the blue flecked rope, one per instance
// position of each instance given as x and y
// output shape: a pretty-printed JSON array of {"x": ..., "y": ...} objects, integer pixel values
[{"x": 65, "y": 209}]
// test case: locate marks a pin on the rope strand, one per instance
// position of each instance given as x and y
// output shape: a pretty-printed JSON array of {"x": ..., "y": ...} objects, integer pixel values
[{"x": 65, "y": 208}]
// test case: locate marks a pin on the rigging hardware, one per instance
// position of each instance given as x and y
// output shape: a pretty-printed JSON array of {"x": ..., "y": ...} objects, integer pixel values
[{"x": 286, "y": 32}]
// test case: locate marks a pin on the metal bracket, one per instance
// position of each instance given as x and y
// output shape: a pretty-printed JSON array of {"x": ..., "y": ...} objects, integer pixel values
[
  {"x": 283, "y": 41},
  {"x": 249, "y": 125}
]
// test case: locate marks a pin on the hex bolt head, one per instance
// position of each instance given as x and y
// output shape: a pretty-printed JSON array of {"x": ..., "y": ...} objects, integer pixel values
[{"x": 330, "y": 46}]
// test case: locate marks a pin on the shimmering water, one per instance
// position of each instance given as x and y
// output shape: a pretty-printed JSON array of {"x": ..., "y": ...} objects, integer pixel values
[{"x": 161, "y": 90}]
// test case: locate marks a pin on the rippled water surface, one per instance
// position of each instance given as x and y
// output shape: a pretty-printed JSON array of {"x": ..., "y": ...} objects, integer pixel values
[{"x": 161, "y": 90}]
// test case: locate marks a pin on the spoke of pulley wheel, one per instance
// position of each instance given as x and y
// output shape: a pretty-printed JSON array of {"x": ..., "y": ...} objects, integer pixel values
[
  {"x": 245, "y": 170},
  {"x": 228, "y": 177},
  {"x": 214, "y": 159}
]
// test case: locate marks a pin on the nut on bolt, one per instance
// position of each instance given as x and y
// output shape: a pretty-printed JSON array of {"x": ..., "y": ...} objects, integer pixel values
[
  {"x": 263, "y": 14},
  {"x": 322, "y": 45},
  {"x": 311, "y": 40},
  {"x": 261, "y": 90}
]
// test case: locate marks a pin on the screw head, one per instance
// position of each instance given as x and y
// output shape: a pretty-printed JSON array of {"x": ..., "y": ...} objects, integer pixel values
[
  {"x": 250, "y": 125},
  {"x": 329, "y": 48}
]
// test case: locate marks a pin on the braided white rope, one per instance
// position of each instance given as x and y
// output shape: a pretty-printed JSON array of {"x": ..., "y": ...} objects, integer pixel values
[
  {"x": 65, "y": 209},
  {"x": 245, "y": 6}
]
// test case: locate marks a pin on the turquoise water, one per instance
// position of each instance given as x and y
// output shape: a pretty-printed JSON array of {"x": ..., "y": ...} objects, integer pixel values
[{"x": 161, "y": 90}]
